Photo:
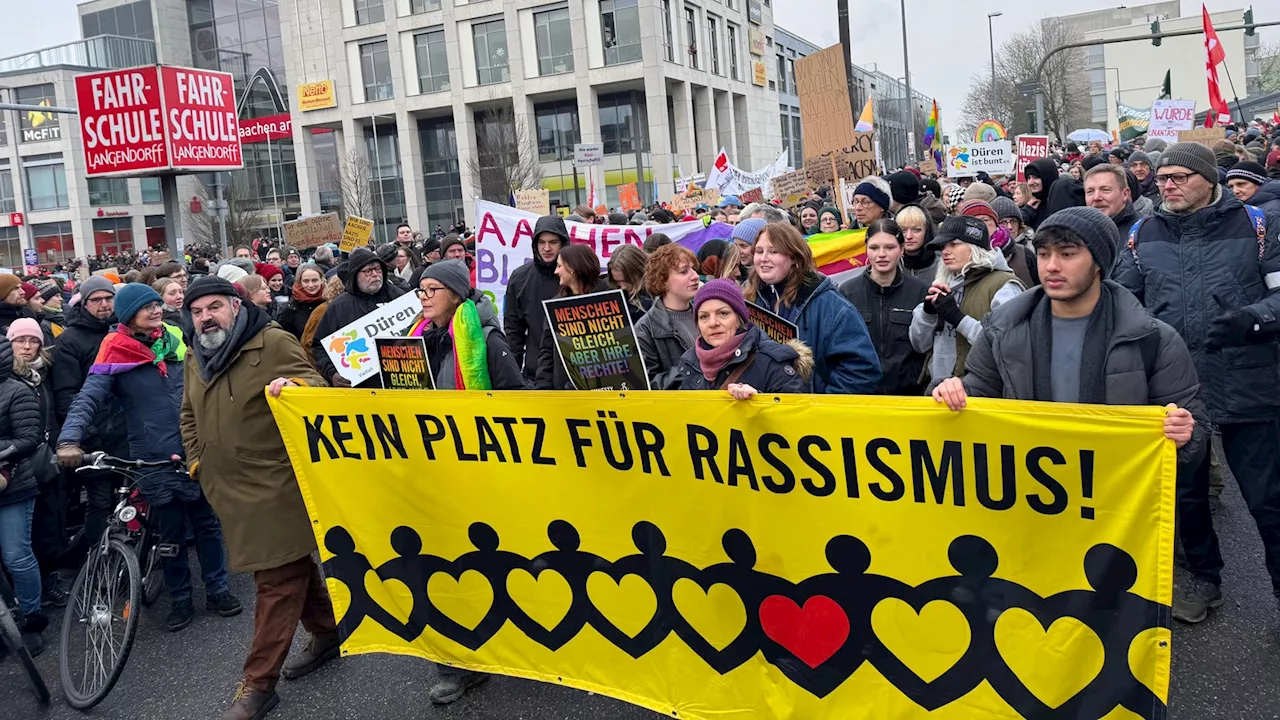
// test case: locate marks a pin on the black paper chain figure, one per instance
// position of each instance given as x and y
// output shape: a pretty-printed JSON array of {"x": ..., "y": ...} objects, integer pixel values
[{"x": 818, "y": 632}]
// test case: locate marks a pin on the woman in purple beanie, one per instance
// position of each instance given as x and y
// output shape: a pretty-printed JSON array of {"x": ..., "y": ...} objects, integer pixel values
[{"x": 733, "y": 354}]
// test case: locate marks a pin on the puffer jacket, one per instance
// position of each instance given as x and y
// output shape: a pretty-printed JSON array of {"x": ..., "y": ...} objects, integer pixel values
[
  {"x": 350, "y": 306},
  {"x": 523, "y": 319},
  {"x": 1007, "y": 335},
  {"x": 662, "y": 343},
  {"x": 19, "y": 428},
  {"x": 775, "y": 368},
  {"x": 1190, "y": 269},
  {"x": 504, "y": 374},
  {"x": 74, "y": 354},
  {"x": 1267, "y": 198},
  {"x": 9, "y": 313},
  {"x": 151, "y": 402},
  {"x": 887, "y": 312},
  {"x": 844, "y": 359}
]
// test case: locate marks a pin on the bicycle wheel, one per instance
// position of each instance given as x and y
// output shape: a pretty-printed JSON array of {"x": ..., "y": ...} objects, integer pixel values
[
  {"x": 13, "y": 638},
  {"x": 99, "y": 624}
]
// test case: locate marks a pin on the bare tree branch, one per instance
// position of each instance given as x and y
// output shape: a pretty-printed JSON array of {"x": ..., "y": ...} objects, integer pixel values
[
  {"x": 498, "y": 169},
  {"x": 1269, "y": 67},
  {"x": 355, "y": 186},
  {"x": 244, "y": 212}
]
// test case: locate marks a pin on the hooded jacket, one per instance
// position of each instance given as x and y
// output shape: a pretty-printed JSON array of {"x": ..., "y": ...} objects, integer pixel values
[
  {"x": 504, "y": 373},
  {"x": 1058, "y": 192},
  {"x": 74, "y": 354},
  {"x": 9, "y": 313},
  {"x": 1191, "y": 268},
  {"x": 932, "y": 206},
  {"x": 887, "y": 312},
  {"x": 1007, "y": 335},
  {"x": 19, "y": 428},
  {"x": 350, "y": 306},
  {"x": 775, "y": 368},
  {"x": 845, "y": 361},
  {"x": 523, "y": 319},
  {"x": 1267, "y": 198}
]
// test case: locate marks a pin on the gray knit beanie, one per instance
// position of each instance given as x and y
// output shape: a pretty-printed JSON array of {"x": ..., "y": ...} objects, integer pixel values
[
  {"x": 1006, "y": 208},
  {"x": 453, "y": 274},
  {"x": 1093, "y": 226},
  {"x": 1140, "y": 157},
  {"x": 1193, "y": 156}
]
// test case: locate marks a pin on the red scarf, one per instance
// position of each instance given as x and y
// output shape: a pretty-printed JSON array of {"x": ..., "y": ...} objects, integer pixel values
[{"x": 303, "y": 296}]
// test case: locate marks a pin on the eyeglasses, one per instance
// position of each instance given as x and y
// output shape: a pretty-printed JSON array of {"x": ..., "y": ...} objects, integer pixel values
[
  {"x": 99, "y": 300},
  {"x": 427, "y": 292},
  {"x": 1175, "y": 178},
  {"x": 862, "y": 203},
  {"x": 1009, "y": 223},
  {"x": 371, "y": 271}
]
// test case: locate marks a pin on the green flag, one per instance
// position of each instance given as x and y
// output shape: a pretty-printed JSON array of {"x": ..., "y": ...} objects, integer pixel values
[
  {"x": 1166, "y": 90},
  {"x": 1133, "y": 122}
]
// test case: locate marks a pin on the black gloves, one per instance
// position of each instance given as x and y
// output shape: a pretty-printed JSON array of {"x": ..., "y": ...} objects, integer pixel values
[
  {"x": 1231, "y": 329},
  {"x": 948, "y": 309}
]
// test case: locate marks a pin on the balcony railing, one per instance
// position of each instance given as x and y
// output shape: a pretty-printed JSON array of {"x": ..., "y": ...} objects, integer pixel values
[{"x": 105, "y": 52}]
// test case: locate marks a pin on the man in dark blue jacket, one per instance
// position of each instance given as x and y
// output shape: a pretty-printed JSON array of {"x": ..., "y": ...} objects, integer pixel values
[
  {"x": 139, "y": 368},
  {"x": 1210, "y": 267}
]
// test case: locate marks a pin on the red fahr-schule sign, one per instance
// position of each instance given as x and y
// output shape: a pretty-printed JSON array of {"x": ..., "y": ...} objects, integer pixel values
[{"x": 156, "y": 119}]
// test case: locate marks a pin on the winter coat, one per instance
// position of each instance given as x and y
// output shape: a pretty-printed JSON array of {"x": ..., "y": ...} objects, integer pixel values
[
  {"x": 350, "y": 306},
  {"x": 1267, "y": 198},
  {"x": 1191, "y": 268},
  {"x": 845, "y": 361},
  {"x": 1125, "y": 220},
  {"x": 776, "y": 368},
  {"x": 551, "y": 374},
  {"x": 19, "y": 428},
  {"x": 887, "y": 312},
  {"x": 662, "y": 343},
  {"x": 523, "y": 319},
  {"x": 293, "y": 316},
  {"x": 923, "y": 265},
  {"x": 43, "y": 388},
  {"x": 234, "y": 449},
  {"x": 1059, "y": 192},
  {"x": 504, "y": 374},
  {"x": 9, "y": 313},
  {"x": 932, "y": 206},
  {"x": 1000, "y": 364},
  {"x": 1022, "y": 261},
  {"x": 72, "y": 357},
  {"x": 149, "y": 402}
]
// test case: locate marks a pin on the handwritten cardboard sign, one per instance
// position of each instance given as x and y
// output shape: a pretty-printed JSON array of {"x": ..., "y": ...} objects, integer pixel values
[
  {"x": 691, "y": 198},
  {"x": 537, "y": 201},
  {"x": 356, "y": 233},
  {"x": 826, "y": 117},
  {"x": 313, "y": 231},
  {"x": 852, "y": 162},
  {"x": 1204, "y": 136},
  {"x": 790, "y": 189}
]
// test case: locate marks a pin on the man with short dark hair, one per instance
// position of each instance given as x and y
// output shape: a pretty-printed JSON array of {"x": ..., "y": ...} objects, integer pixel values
[
  {"x": 523, "y": 319},
  {"x": 404, "y": 234},
  {"x": 1210, "y": 267},
  {"x": 244, "y": 251}
]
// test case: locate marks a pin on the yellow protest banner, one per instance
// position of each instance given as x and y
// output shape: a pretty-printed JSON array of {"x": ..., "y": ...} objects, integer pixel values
[
  {"x": 355, "y": 234},
  {"x": 805, "y": 556}
]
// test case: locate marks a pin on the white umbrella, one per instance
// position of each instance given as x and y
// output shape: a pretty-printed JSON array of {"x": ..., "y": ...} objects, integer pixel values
[{"x": 1089, "y": 135}]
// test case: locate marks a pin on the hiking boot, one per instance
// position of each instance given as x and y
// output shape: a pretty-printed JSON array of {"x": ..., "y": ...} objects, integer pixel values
[
  {"x": 451, "y": 688},
  {"x": 180, "y": 614},
  {"x": 224, "y": 604},
  {"x": 53, "y": 593},
  {"x": 250, "y": 704},
  {"x": 1198, "y": 596},
  {"x": 320, "y": 650}
]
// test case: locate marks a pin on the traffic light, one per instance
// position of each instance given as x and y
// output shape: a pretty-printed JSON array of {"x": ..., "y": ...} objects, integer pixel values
[
  {"x": 1155, "y": 32},
  {"x": 1248, "y": 22}
]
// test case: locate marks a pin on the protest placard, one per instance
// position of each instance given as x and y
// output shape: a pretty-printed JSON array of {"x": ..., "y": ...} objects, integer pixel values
[
  {"x": 356, "y": 233},
  {"x": 853, "y": 162},
  {"x": 790, "y": 189},
  {"x": 1170, "y": 116},
  {"x": 773, "y": 325},
  {"x": 1031, "y": 148},
  {"x": 993, "y": 158},
  {"x": 108, "y": 271},
  {"x": 351, "y": 347},
  {"x": 313, "y": 231},
  {"x": 691, "y": 198},
  {"x": 826, "y": 118},
  {"x": 157, "y": 258},
  {"x": 597, "y": 342},
  {"x": 750, "y": 196},
  {"x": 403, "y": 365},
  {"x": 628, "y": 198},
  {"x": 1204, "y": 136},
  {"x": 928, "y": 166},
  {"x": 537, "y": 201}
]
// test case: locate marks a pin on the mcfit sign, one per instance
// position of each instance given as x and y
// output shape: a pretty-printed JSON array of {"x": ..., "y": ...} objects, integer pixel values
[{"x": 158, "y": 118}]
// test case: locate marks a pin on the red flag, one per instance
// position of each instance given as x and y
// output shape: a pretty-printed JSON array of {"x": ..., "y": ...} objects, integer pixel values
[{"x": 1220, "y": 112}]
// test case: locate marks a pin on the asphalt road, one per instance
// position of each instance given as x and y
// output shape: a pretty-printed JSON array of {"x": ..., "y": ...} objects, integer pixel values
[{"x": 1227, "y": 667}]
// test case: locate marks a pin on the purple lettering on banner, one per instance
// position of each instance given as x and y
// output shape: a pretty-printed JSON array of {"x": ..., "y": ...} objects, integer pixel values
[{"x": 486, "y": 271}]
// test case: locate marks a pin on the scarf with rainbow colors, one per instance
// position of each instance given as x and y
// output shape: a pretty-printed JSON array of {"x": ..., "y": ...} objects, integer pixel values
[{"x": 470, "y": 359}]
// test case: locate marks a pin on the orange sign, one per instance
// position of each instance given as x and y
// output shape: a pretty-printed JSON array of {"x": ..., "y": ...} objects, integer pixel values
[
  {"x": 759, "y": 75},
  {"x": 628, "y": 197}
]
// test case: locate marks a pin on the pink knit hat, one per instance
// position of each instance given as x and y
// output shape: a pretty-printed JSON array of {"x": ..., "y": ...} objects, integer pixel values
[{"x": 25, "y": 327}]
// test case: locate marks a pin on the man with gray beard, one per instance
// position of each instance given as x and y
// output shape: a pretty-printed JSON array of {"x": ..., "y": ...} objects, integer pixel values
[
  {"x": 235, "y": 451},
  {"x": 366, "y": 289}
]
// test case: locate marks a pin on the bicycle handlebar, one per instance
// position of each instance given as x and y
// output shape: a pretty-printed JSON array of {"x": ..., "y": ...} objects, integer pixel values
[{"x": 102, "y": 461}]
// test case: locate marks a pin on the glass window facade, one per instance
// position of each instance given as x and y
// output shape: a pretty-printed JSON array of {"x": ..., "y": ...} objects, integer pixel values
[
  {"x": 554, "y": 42},
  {"x": 132, "y": 20},
  {"x": 108, "y": 191},
  {"x": 558, "y": 129},
  {"x": 369, "y": 11},
  {"x": 46, "y": 187},
  {"x": 668, "y": 44},
  {"x": 421, "y": 6},
  {"x": 433, "y": 61},
  {"x": 113, "y": 236},
  {"x": 782, "y": 75},
  {"x": 732, "y": 45},
  {"x": 10, "y": 248},
  {"x": 691, "y": 35},
  {"x": 623, "y": 123},
  {"x": 151, "y": 190},
  {"x": 491, "y": 51},
  {"x": 375, "y": 71},
  {"x": 620, "y": 30},
  {"x": 383, "y": 150},
  {"x": 7, "y": 202},
  {"x": 54, "y": 241},
  {"x": 713, "y": 40},
  {"x": 441, "y": 179}
]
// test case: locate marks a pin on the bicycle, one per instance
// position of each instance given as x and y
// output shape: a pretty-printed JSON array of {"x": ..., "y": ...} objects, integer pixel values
[
  {"x": 9, "y": 633},
  {"x": 110, "y": 587}
]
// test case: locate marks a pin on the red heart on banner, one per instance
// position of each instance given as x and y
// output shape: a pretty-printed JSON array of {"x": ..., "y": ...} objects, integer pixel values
[{"x": 813, "y": 633}]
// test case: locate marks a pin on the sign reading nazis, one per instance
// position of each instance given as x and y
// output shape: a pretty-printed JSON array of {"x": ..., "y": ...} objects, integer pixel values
[{"x": 783, "y": 557}]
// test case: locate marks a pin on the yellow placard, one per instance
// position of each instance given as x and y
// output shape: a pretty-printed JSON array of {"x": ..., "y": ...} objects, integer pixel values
[
  {"x": 356, "y": 233},
  {"x": 785, "y": 557},
  {"x": 316, "y": 96},
  {"x": 759, "y": 75}
]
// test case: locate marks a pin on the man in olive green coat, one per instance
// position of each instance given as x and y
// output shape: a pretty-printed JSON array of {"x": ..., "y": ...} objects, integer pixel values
[{"x": 235, "y": 450}]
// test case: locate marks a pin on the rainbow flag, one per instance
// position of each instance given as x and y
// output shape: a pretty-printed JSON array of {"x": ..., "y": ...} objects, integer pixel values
[
  {"x": 932, "y": 138},
  {"x": 838, "y": 255},
  {"x": 867, "y": 122}
]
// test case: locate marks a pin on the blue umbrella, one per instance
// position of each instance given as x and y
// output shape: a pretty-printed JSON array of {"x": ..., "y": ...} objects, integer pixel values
[{"x": 1089, "y": 135}]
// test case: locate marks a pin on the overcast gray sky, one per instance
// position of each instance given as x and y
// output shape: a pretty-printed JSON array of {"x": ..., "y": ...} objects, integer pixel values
[{"x": 948, "y": 39}]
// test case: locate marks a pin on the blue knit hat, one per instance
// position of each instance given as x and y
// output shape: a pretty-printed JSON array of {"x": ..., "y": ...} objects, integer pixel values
[
  {"x": 875, "y": 194},
  {"x": 131, "y": 298},
  {"x": 748, "y": 230}
]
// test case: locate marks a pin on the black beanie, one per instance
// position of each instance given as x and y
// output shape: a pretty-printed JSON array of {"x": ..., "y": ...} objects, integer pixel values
[
  {"x": 904, "y": 187},
  {"x": 207, "y": 285},
  {"x": 1093, "y": 226},
  {"x": 1251, "y": 171}
]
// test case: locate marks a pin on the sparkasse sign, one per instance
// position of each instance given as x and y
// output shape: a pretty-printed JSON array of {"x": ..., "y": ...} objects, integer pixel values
[{"x": 157, "y": 118}]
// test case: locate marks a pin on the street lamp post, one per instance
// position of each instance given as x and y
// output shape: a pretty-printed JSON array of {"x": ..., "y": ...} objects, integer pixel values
[
  {"x": 991, "y": 39},
  {"x": 906, "y": 71}
]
